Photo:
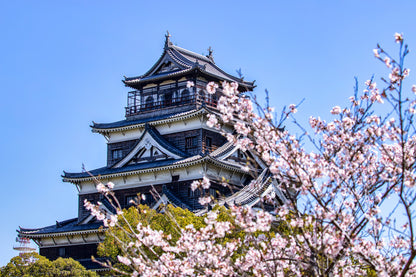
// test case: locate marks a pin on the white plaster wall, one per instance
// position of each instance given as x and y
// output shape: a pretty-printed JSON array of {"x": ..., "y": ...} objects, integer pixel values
[
  {"x": 74, "y": 239},
  {"x": 174, "y": 127},
  {"x": 163, "y": 177}
]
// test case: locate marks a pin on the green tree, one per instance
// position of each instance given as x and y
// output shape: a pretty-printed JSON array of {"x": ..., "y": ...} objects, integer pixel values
[
  {"x": 169, "y": 222},
  {"x": 172, "y": 221},
  {"x": 33, "y": 264}
]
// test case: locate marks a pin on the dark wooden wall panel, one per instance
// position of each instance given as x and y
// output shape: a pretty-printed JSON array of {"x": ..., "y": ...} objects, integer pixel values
[
  {"x": 121, "y": 196},
  {"x": 124, "y": 146},
  {"x": 179, "y": 139},
  {"x": 84, "y": 251}
]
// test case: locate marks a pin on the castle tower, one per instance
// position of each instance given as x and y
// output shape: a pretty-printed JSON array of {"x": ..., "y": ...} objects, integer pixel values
[{"x": 164, "y": 143}]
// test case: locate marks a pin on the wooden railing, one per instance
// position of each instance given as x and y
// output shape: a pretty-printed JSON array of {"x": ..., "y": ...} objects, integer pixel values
[{"x": 169, "y": 103}]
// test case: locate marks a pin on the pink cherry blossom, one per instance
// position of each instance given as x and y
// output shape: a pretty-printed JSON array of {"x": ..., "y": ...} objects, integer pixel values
[
  {"x": 336, "y": 110},
  {"x": 211, "y": 87},
  {"x": 398, "y": 37}
]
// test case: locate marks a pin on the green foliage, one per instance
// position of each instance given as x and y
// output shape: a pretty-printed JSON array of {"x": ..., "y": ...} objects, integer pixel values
[
  {"x": 173, "y": 219},
  {"x": 33, "y": 264},
  {"x": 169, "y": 222}
]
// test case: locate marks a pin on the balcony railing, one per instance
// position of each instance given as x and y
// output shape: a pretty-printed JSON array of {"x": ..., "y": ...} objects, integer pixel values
[{"x": 169, "y": 103}]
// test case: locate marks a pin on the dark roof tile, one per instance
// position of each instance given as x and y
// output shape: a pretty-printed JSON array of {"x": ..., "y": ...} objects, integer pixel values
[
  {"x": 108, "y": 170},
  {"x": 186, "y": 60},
  {"x": 126, "y": 122},
  {"x": 70, "y": 225}
]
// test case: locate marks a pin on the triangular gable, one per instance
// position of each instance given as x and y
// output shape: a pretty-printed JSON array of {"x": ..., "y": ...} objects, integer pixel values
[
  {"x": 233, "y": 153},
  {"x": 149, "y": 145},
  {"x": 165, "y": 64},
  {"x": 148, "y": 154}
]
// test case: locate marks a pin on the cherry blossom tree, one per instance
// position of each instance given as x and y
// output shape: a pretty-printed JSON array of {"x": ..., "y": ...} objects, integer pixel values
[{"x": 350, "y": 200}]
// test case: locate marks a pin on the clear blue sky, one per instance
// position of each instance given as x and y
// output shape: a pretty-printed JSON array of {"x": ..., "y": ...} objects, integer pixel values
[{"x": 61, "y": 65}]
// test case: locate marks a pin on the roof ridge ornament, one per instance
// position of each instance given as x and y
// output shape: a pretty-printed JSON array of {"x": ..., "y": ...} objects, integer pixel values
[
  {"x": 210, "y": 56},
  {"x": 168, "y": 43}
]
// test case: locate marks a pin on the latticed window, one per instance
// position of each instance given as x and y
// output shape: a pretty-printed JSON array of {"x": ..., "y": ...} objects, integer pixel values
[
  {"x": 149, "y": 102},
  {"x": 167, "y": 99},
  {"x": 208, "y": 143},
  {"x": 191, "y": 142},
  {"x": 185, "y": 96},
  {"x": 117, "y": 154},
  {"x": 61, "y": 251}
]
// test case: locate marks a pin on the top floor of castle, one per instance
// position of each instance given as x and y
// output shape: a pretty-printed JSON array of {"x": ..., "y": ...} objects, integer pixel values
[{"x": 165, "y": 88}]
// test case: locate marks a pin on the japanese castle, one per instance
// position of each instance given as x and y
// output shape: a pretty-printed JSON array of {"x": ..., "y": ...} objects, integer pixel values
[{"x": 163, "y": 143}]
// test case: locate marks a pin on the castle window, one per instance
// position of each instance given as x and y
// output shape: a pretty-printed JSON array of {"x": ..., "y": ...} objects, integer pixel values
[
  {"x": 149, "y": 103},
  {"x": 167, "y": 99},
  {"x": 117, "y": 154},
  {"x": 201, "y": 95},
  {"x": 61, "y": 251},
  {"x": 191, "y": 143},
  {"x": 185, "y": 96},
  {"x": 208, "y": 143},
  {"x": 175, "y": 178},
  {"x": 212, "y": 100}
]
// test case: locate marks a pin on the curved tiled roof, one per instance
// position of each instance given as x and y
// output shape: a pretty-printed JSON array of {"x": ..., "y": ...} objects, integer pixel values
[
  {"x": 106, "y": 172},
  {"x": 206, "y": 64},
  {"x": 158, "y": 76},
  {"x": 140, "y": 123},
  {"x": 192, "y": 54},
  {"x": 66, "y": 227},
  {"x": 186, "y": 61},
  {"x": 111, "y": 171},
  {"x": 223, "y": 150}
]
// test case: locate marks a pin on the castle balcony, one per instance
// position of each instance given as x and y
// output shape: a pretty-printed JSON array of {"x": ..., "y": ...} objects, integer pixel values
[{"x": 170, "y": 103}]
